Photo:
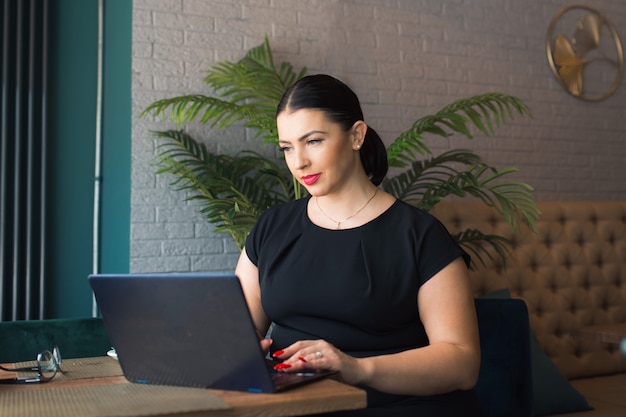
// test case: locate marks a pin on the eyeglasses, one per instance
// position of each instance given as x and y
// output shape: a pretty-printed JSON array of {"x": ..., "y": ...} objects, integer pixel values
[{"x": 48, "y": 364}]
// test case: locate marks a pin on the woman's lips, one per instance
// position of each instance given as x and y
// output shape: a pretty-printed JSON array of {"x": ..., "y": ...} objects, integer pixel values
[{"x": 310, "y": 179}]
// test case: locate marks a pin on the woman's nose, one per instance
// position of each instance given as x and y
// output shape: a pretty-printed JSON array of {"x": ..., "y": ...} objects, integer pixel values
[{"x": 300, "y": 159}]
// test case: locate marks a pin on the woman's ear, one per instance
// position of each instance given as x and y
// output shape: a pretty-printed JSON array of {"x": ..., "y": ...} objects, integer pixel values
[{"x": 358, "y": 131}]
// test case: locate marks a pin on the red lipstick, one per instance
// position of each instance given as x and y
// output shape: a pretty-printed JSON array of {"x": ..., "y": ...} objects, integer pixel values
[{"x": 310, "y": 179}]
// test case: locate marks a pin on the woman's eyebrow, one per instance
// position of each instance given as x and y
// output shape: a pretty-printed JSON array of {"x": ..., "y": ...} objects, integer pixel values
[{"x": 303, "y": 137}]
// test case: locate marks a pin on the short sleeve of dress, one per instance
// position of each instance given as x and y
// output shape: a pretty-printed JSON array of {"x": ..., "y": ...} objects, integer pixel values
[
  {"x": 254, "y": 239},
  {"x": 273, "y": 225},
  {"x": 439, "y": 250},
  {"x": 251, "y": 245}
]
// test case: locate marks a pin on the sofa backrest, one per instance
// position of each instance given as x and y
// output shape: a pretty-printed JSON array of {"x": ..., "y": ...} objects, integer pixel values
[
  {"x": 75, "y": 338},
  {"x": 571, "y": 273}
]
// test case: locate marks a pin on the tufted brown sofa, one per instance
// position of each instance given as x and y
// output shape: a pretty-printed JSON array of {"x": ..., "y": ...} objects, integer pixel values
[{"x": 571, "y": 274}]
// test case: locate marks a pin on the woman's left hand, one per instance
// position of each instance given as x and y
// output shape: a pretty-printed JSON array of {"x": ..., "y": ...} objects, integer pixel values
[{"x": 319, "y": 355}]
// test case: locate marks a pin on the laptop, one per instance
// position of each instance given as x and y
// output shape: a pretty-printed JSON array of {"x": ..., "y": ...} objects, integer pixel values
[{"x": 189, "y": 329}]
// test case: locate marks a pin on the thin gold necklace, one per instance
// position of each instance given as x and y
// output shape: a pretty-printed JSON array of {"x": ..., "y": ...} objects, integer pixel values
[{"x": 347, "y": 218}]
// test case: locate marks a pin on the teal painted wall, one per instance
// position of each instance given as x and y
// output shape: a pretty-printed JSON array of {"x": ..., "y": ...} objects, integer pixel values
[
  {"x": 72, "y": 103},
  {"x": 116, "y": 133}
]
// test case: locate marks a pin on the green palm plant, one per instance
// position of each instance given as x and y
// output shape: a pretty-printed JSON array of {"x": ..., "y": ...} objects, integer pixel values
[{"x": 232, "y": 191}]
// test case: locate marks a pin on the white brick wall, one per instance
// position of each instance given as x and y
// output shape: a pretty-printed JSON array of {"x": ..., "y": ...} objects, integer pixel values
[{"x": 404, "y": 58}]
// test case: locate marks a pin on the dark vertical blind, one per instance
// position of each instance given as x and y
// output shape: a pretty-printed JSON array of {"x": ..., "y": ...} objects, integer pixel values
[{"x": 23, "y": 48}]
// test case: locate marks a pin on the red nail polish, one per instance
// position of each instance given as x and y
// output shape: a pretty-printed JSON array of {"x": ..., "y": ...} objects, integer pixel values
[
  {"x": 278, "y": 353},
  {"x": 301, "y": 359},
  {"x": 282, "y": 366}
]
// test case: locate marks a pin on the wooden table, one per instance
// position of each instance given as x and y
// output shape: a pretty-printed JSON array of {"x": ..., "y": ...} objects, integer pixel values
[
  {"x": 317, "y": 397},
  {"x": 612, "y": 333}
]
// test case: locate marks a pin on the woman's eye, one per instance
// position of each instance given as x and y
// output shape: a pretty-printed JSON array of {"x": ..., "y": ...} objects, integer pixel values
[
  {"x": 285, "y": 148},
  {"x": 314, "y": 141}
]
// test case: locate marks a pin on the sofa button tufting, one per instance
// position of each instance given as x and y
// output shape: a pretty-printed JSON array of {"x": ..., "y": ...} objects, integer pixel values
[{"x": 572, "y": 275}]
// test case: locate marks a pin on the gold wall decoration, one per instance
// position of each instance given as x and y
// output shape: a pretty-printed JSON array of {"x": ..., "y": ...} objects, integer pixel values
[{"x": 589, "y": 63}]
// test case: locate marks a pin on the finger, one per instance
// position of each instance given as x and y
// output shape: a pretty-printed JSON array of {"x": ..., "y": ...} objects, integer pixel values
[
  {"x": 297, "y": 348},
  {"x": 265, "y": 345}
]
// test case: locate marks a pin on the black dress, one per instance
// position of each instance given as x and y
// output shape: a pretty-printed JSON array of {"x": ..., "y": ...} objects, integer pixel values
[{"x": 355, "y": 288}]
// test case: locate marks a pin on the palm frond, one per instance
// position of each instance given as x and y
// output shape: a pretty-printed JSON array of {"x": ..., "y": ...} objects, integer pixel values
[
  {"x": 428, "y": 182},
  {"x": 247, "y": 90},
  {"x": 254, "y": 77},
  {"x": 231, "y": 191},
  {"x": 513, "y": 199},
  {"x": 483, "y": 111},
  {"x": 494, "y": 108},
  {"x": 414, "y": 183},
  {"x": 184, "y": 109},
  {"x": 478, "y": 245}
]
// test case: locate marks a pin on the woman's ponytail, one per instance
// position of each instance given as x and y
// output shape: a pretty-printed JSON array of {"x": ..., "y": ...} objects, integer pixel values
[{"x": 374, "y": 157}]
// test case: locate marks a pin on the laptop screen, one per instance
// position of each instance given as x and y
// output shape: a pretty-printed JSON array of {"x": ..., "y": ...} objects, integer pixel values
[{"x": 191, "y": 329}]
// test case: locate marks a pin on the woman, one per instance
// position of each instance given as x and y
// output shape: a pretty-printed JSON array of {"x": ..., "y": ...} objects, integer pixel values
[{"x": 354, "y": 280}]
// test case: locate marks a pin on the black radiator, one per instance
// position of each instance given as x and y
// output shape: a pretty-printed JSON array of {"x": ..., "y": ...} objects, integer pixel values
[{"x": 23, "y": 142}]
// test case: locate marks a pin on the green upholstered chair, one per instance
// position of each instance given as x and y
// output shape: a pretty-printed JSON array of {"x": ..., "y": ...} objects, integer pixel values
[
  {"x": 75, "y": 337},
  {"x": 505, "y": 387}
]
